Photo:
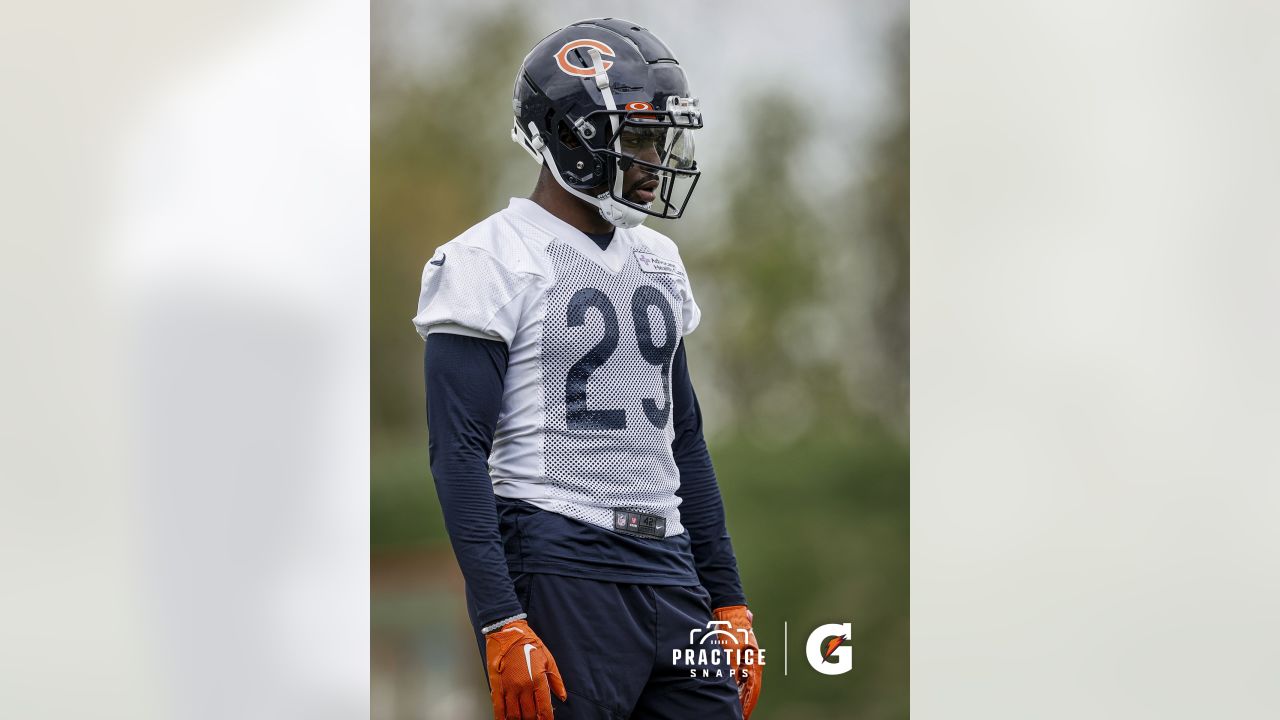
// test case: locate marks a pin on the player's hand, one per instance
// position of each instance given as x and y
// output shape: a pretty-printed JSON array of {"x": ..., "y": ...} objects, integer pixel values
[
  {"x": 748, "y": 672},
  {"x": 522, "y": 674}
]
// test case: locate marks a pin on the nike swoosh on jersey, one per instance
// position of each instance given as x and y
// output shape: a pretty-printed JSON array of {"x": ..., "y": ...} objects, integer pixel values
[{"x": 439, "y": 262}]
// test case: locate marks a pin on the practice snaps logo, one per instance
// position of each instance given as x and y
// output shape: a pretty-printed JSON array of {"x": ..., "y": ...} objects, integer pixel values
[
  {"x": 719, "y": 650},
  {"x": 827, "y": 649}
]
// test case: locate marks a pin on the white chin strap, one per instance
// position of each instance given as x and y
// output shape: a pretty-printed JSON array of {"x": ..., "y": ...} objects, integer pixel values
[{"x": 619, "y": 215}]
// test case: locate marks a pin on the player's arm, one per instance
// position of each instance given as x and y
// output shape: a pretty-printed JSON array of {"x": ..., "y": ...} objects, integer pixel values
[
  {"x": 465, "y": 377},
  {"x": 702, "y": 514},
  {"x": 468, "y": 314},
  {"x": 701, "y": 509}
]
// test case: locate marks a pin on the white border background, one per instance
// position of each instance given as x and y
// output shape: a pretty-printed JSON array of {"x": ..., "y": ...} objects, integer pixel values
[
  {"x": 184, "y": 450},
  {"x": 1095, "y": 341}
]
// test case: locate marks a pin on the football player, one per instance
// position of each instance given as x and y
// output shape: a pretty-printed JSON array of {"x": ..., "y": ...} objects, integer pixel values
[{"x": 565, "y": 436}]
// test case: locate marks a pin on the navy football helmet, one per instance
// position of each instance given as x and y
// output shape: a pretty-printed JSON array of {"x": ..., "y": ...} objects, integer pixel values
[{"x": 600, "y": 97}]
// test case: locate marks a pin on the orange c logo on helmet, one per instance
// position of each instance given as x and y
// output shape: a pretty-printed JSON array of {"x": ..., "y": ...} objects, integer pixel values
[{"x": 562, "y": 57}]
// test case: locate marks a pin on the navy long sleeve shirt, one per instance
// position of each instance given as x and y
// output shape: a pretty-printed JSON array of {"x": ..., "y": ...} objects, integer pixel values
[{"x": 493, "y": 537}]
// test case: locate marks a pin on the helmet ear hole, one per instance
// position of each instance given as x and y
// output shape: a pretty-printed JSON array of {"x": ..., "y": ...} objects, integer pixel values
[{"x": 567, "y": 136}]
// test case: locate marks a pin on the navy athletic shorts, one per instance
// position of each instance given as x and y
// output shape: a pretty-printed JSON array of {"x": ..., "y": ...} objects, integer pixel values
[{"x": 615, "y": 646}]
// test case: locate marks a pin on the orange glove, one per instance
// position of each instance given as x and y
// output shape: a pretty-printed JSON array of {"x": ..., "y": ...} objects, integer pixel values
[
  {"x": 748, "y": 675},
  {"x": 522, "y": 674}
]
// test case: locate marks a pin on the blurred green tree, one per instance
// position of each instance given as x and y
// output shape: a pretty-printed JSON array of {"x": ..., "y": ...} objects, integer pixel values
[
  {"x": 883, "y": 215},
  {"x": 759, "y": 284},
  {"x": 437, "y": 159}
]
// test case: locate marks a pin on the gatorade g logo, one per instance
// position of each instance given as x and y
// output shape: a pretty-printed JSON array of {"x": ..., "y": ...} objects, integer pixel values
[
  {"x": 584, "y": 70},
  {"x": 827, "y": 651}
]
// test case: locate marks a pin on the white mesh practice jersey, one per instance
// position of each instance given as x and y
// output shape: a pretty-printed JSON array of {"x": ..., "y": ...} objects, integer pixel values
[{"x": 586, "y": 422}]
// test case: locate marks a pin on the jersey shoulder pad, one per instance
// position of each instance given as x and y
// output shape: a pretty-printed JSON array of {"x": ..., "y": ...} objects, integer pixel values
[
  {"x": 471, "y": 283},
  {"x": 514, "y": 243}
]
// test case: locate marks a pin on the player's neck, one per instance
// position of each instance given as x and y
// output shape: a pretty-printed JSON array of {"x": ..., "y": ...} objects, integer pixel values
[{"x": 578, "y": 213}]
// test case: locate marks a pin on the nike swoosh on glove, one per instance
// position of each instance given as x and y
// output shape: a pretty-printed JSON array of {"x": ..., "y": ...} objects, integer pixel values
[
  {"x": 522, "y": 674},
  {"x": 748, "y": 674}
]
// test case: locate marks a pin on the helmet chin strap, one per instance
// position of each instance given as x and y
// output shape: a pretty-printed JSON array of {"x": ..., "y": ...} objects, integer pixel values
[{"x": 619, "y": 215}]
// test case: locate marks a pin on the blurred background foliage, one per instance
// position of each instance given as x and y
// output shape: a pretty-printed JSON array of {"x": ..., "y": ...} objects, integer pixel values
[{"x": 801, "y": 364}]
